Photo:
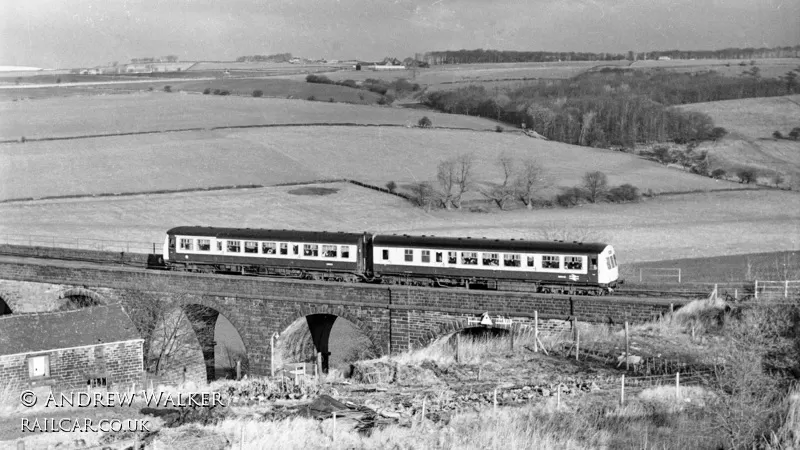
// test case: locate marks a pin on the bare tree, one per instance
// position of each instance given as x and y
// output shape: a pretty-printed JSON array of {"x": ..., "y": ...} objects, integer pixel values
[
  {"x": 423, "y": 194},
  {"x": 530, "y": 178},
  {"x": 596, "y": 185},
  {"x": 502, "y": 193},
  {"x": 446, "y": 174},
  {"x": 464, "y": 177}
]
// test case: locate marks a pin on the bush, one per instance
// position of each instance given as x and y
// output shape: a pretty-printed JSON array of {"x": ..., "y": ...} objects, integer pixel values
[
  {"x": 747, "y": 175},
  {"x": 321, "y": 79},
  {"x": 777, "y": 134},
  {"x": 311, "y": 98},
  {"x": 348, "y": 83},
  {"x": 258, "y": 93},
  {"x": 498, "y": 129},
  {"x": 167, "y": 88},
  {"x": 425, "y": 122},
  {"x": 217, "y": 91},
  {"x": 663, "y": 154},
  {"x": 718, "y": 133},
  {"x": 58, "y": 80},
  {"x": 795, "y": 133},
  {"x": 391, "y": 186},
  {"x": 718, "y": 173},
  {"x": 224, "y": 92},
  {"x": 570, "y": 197},
  {"x": 206, "y": 91},
  {"x": 331, "y": 100},
  {"x": 624, "y": 193}
]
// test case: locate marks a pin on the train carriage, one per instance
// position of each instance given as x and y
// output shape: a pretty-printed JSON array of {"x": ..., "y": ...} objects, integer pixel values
[
  {"x": 494, "y": 263},
  {"x": 307, "y": 254}
]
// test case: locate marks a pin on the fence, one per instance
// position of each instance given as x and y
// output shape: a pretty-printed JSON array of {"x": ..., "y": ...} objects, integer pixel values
[
  {"x": 80, "y": 243},
  {"x": 776, "y": 289},
  {"x": 670, "y": 274}
]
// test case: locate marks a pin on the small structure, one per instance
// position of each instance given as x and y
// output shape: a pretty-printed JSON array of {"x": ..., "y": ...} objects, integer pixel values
[{"x": 60, "y": 351}]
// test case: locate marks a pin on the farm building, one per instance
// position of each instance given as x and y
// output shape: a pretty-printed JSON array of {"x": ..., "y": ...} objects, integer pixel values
[{"x": 59, "y": 351}]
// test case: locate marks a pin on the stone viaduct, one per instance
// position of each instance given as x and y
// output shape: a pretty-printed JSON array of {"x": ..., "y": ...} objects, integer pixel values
[{"x": 392, "y": 317}]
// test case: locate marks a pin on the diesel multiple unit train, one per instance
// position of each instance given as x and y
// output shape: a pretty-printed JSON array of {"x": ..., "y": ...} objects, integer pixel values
[{"x": 511, "y": 265}]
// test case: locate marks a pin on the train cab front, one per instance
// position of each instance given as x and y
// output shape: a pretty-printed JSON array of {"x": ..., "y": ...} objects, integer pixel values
[{"x": 608, "y": 270}]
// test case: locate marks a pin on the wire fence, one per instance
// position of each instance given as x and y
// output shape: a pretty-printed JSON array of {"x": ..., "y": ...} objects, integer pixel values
[
  {"x": 102, "y": 245},
  {"x": 765, "y": 290}
]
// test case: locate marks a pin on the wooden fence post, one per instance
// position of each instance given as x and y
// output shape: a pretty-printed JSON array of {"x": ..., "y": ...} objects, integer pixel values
[
  {"x": 494, "y": 401},
  {"x": 640, "y": 275},
  {"x": 458, "y": 347},
  {"x": 577, "y": 337},
  {"x": 422, "y": 419},
  {"x": 627, "y": 348},
  {"x": 333, "y": 435},
  {"x": 558, "y": 395},
  {"x": 678, "y": 385},
  {"x": 622, "y": 391},
  {"x": 512, "y": 338},
  {"x": 319, "y": 363},
  {"x": 786, "y": 289},
  {"x": 238, "y": 369},
  {"x": 755, "y": 290},
  {"x": 679, "y": 275},
  {"x": 536, "y": 331},
  {"x": 241, "y": 438}
]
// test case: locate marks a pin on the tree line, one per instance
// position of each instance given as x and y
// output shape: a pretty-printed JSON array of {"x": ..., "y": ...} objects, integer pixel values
[
  {"x": 612, "y": 107},
  {"x": 480, "y": 55},
  {"x": 276, "y": 58}
]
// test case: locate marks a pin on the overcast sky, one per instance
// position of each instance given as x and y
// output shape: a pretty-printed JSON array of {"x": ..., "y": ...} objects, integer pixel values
[{"x": 72, "y": 33}]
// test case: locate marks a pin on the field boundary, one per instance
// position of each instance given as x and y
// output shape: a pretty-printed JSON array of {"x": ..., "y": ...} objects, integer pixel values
[{"x": 24, "y": 139}]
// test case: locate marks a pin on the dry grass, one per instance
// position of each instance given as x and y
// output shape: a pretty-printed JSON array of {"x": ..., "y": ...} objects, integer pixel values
[
  {"x": 770, "y": 67},
  {"x": 681, "y": 226},
  {"x": 751, "y": 123},
  {"x": 284, "y": 154},
  {"x": 104, "y": 114}
]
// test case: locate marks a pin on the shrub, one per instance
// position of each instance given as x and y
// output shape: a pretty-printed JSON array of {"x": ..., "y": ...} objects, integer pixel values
[
  {"x": 361, "y": 96},
  {"x": 167, "y": 88},
  {"x": 391, "y": 186},
  {"x": 224, "y": 92},
  {"x": 718, "y": 133},
  {"x": 663, "y": 154},
  {"x": 150, "y": 89},
  {"x": 747, "y": 175},
  {"x": 777, "y": 134},
  {"x": 624, "y": 193},
  {"x": 206, "y": 91},
  {"x": 718, "y": 173},
  {"x": 321, "y": 79},
  {"x": 258, "y": 93},
  {"x": 311, "y": 98},
  {"x": 498, "y": 129},
  {"x": 425, "y": 122},
  {"x": 570, "y": 197},
  {"x": 217, "y": 91},
  {"x": 349, "y": 83},
  {"x": 331, "y": 100},
  {"x": 795, "y": 133},
  {"x": 777, "y": 179},
  {"x": 58, "y": 80}
]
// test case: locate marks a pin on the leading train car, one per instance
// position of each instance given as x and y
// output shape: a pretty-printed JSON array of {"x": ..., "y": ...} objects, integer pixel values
[
  {"x": 306, "y": 254},
  {"x": 516, "y": 265}
]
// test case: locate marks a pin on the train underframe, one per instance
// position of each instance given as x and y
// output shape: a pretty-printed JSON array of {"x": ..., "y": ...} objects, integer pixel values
[{"x": 546, "y": 287}]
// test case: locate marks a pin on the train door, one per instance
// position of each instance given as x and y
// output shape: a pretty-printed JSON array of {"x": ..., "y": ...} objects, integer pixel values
[{"x": 592, "y": 269}]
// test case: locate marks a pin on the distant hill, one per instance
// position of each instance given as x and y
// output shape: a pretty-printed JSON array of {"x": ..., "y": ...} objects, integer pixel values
[{"x": 18, "y": 68}]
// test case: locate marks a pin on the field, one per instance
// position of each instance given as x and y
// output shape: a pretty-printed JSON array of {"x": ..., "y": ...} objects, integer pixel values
[
  {"x": 769, "y": 67},
  {"x": 666, "y": 227},
  {"x": 750, "y": 123},
  {"x": 158, "y": 111},
  {"x": 275, "y": 155}
]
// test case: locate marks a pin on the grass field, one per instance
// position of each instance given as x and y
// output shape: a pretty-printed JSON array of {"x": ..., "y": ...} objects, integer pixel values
[
  {"x": 270, "y": 156},
  {"x": 751, "y": 123},
  {"x": 153, "y": 111},
  {"x": 663, "y": 228}
]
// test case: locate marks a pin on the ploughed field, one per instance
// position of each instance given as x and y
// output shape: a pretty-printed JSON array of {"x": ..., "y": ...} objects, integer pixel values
[
  {"x": 750, "y": 123},
  {"x": 268, "y": 156},
  {"x": 161, "y": 111},
  {"x": 661, "y": 228}
]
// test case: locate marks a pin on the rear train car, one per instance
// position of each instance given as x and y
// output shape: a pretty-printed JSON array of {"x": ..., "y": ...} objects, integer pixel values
[
  {"x": 306, "y": 254},
  {"x": 586, "y": 268}
]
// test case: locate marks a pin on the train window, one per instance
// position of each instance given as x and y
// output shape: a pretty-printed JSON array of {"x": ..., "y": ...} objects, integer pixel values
[
  {"x": 469, "y": 258},
  {"x": 452, "y": 258},
  {"x": 219, "y": 246},
  {"x": 234, "y": 246},
  {"x": 250, "y": 247},
  {"x": 511, "y": 260},
  {"x": 204, "y": 245},
  {"x": 268, "y": 248},
  {"x": 594, "y": 263},
  {"x": 172, "y": 242},
  {"x": 426, "y": 256},
  {"x": 186, "y": 244},
  {"x": 284, "y": 248},
  {"x": 573, "y": 262},
  {"x": 385, "y": 255},
  {"x": 329, "y": 251},
  {"x": 439, "y": 257},
  {"x": 345, "y": 251},
  {"x": 531, "y": 261},
  {"x": 310, "y": 250},
  {"x": 295, "y": 249},
  {"x": 614, "y": 260},
  {"x": 551, "y": 262},
  {"x": 608, "y": 262},
  {"x": 409, "y": 255},
  {"x": 490, "y": 259}
]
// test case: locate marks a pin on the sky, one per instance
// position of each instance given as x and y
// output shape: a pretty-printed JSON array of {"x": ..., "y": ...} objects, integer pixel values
[{"x": 78, "y": 33}]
